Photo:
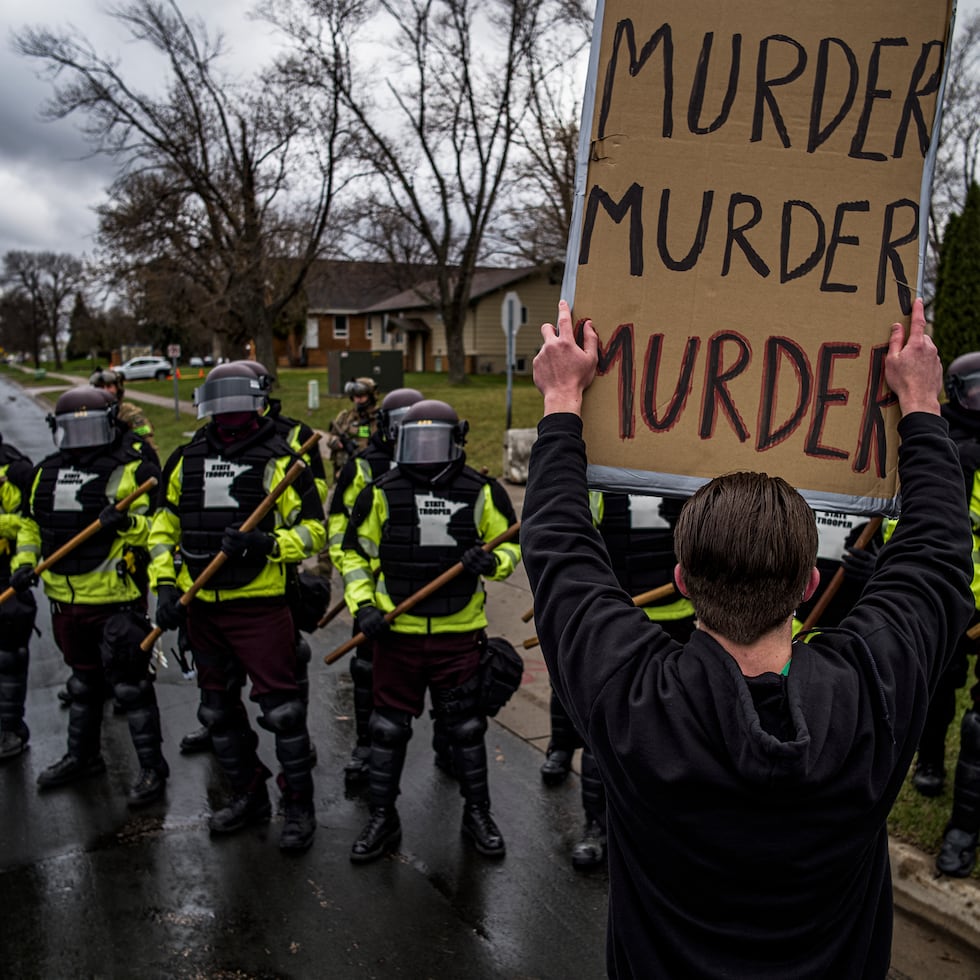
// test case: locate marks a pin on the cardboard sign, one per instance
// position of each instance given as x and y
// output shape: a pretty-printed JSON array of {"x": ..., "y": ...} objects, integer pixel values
[{"x": 747, "y": 228}]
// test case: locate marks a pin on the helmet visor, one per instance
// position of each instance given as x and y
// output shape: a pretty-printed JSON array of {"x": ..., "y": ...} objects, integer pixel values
[
  {"x": 966, "y": 390},
  {"x": 79, "y": 430},
  {"x": 222, "y": 396},
  {"x": 426, "y": 441}
]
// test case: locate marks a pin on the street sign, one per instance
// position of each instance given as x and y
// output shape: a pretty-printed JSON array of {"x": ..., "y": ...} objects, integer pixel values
[
  {"x": 173, "y": 350},
  {"x": 511, "y": 313}
]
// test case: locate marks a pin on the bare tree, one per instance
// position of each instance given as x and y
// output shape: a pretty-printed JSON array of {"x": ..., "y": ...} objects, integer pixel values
[
  {"x": 214, "y": 174},
  {"x": 47, "y": 280},
  {"x": 437, "y": 119},
  {"x": 959, "y": 145}
]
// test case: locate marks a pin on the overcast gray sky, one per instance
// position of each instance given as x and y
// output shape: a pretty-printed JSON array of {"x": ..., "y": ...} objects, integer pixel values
[{"x": 48, "y": 188}]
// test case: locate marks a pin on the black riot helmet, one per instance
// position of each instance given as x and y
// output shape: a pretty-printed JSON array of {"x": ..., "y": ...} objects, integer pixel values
[
  {"x": 259, "y": 370},
  {"x": 430, "y": 432},
  {"x": 84, "y": 417},
  {"x": 963, "y": 381},
  {"x": 106, "y": 378},
  {"x": 394, "y": 407},
  {"x": 230, "y": 388}
]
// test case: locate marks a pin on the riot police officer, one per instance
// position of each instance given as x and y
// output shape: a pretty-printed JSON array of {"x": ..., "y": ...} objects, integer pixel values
[
  {"x": 414, "y": 522},
  {"x": 360, "y": 470},
  {"x": 239, "y": 624},
  {"x": 301, "y": 586},
  {"x": 98, "y": 608},
  {"x": 18, "y": 613}
]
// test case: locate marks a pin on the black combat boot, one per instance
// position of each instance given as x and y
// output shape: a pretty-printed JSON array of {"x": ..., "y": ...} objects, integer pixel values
[
  {"x": 244, "y": 810},
  {"x": 196, "y": 741},
  {"x": 149, "y": 786},
  {"x": 590, "y": 851},
  {"x": 383, "y": 832},
  {"x": 68, "y": 769},
  {"x": 958, "y": 853},
  {"x": 556, "y": 766},
  {"x": 480, "y": 828},
  {"x": 13, "y": 743},
  {"x": 299, "y": 825}
]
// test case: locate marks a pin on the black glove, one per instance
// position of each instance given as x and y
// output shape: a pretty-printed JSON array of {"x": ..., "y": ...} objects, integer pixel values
[
  {"x": 171, "y": 615},
  {"x": 371, "y": 621},
  {"x": 236, "y": 543},
  {"x": 23, "y": 579},
  {"x": 479, "y": 562},
  {"x": 115, "y": 520},
  {"x": 858, "y": 564}
]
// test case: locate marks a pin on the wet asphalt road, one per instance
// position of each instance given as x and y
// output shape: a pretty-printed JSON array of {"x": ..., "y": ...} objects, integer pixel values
[{"x": 90, "y": 888}]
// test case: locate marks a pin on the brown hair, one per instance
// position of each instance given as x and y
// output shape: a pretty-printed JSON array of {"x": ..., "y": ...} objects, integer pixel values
[{"x": 746, "y": 543}]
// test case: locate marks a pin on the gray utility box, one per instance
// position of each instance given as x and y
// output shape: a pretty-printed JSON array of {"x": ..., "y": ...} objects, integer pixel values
[{"x": 384, "y": 366}]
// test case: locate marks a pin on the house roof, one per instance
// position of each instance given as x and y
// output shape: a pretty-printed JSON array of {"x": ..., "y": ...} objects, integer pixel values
[
  {"x": 422, "y": 296},
  {"x": 340, "y": 286}
]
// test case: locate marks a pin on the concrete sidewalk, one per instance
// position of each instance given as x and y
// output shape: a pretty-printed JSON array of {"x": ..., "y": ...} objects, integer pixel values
[{"x": 948, "y": 905}]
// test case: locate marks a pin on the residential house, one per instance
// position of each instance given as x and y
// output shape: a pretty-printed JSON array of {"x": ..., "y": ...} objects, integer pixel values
[
  {"x": 378, "y": 306},
  {"x": 410, "y": 322}
]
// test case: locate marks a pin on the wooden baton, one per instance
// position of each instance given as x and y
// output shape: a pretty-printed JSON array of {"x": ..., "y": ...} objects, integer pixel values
[
  {"x": 660, "y": 592},
  {"x": 84, "y": 535},
  {"x": 437, "y": 583},
  {"x": 249, "y": 524}
]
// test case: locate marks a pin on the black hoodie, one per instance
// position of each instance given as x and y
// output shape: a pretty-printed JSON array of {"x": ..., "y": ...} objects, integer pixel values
[{"x": 747, "y": 816}]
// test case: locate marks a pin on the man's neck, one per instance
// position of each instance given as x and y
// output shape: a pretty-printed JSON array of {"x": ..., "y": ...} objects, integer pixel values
[{"x": 769, "y": 654}]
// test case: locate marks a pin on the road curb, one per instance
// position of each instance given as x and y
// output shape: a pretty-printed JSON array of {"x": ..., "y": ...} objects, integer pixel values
[{"x": 951, "y": 905}]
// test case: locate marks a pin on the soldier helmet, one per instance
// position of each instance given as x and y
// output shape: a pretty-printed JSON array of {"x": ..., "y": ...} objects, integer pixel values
[
  {"x": 260, "y": 371},
  {"x": 84, "y": 417},
  {"x": 228, "y": 388},
  {"x": 104, "y": 377},
  {"x": 963, "y": 381},
  {"x": 362, "y": 386},
  {"x": 393, "y": 408},
  {"x": 430, "y": 432}
]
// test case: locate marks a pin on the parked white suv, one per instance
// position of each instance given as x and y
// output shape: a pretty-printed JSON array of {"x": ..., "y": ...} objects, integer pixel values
[{"x": 141, "y": 368}]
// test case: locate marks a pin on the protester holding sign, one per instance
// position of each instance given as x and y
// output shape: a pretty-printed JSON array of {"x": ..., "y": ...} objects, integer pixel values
[{"x": 732, "y": 763}]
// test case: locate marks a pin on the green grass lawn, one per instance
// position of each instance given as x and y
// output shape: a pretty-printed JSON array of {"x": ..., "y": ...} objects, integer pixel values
[{"x": 914, "y": 819}]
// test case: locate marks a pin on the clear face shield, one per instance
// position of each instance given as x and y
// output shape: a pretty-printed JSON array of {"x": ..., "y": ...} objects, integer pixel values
[
  {"x": 82, "y": 429},
  {"x": 426, "y": 442},
  {"x": 966, "y": 390},
  {"x": 224, "y": 396}
]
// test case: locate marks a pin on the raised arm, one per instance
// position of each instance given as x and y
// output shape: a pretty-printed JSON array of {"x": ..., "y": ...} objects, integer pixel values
[{"x": 562, "y": 369}]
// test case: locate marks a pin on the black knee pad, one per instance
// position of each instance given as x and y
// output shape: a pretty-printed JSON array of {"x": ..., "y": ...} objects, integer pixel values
[
  {"x": 283, "y": 717},
  {"x": 135, "y": 694},
  {"x": 468, "y": 730},
  {"x": 388, "y": 727},
  {"x": 217, "y": 710},
  {"x": 85, "y": 689}
]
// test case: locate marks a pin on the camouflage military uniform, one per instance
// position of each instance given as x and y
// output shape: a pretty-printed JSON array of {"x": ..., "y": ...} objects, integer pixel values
[
  {"x": 134, "y": 420},
  {"x": 349, "y": 433}
]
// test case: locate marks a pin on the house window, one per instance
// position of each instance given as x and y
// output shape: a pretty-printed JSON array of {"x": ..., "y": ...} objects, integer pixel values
[
  {"x": 340, "y": 328},
  {"x": 312, "y": 333},
  {"x": 384, "y": 331},
  {"x": 369, "y": 329}
]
